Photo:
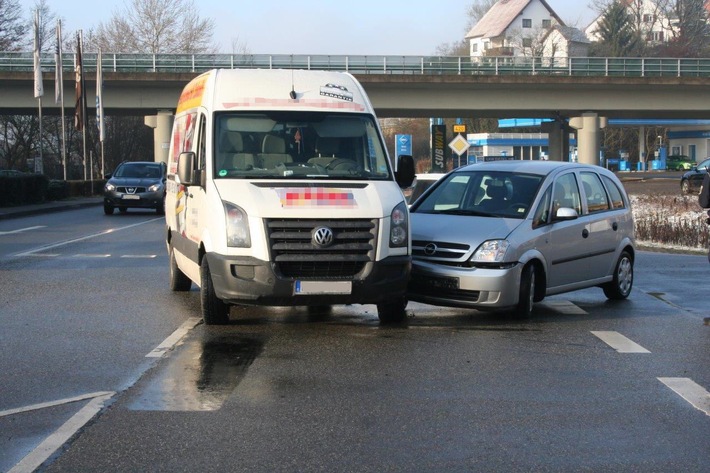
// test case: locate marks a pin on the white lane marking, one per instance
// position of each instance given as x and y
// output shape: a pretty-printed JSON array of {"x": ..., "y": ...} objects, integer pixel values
[
  {"x": 140, "y": 256},
  {"x": 90, "y": 255},
  {"x": 43, "y": 405},
  {"x": 87, "y": 237},
  {"x": 175, "y": 337},
  {"x": 565, "y": 307},
  {"x": 59, "y": 437},
  {"x": 689, "y": 390},
  {"x": 620, "y": 343},
  {"x": 20, "y": 230}
]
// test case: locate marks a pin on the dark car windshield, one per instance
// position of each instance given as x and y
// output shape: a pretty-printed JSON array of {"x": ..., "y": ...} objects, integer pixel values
[
  {"x": 482, "y": 193},
  {"x": 139, "y": 170},
  {"x": 298, "y": 145}
]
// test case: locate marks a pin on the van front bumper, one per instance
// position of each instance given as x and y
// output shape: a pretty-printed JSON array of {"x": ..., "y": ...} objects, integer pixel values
[{"x": 250, "y": 281}]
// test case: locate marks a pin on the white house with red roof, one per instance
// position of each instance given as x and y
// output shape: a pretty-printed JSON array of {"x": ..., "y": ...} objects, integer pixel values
[{"x": 510, "y": 27}]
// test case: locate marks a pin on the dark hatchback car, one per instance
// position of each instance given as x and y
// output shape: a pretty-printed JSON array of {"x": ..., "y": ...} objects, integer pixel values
[
  {"x": 136, "y": 184},
  {"x": 691, "y": 180}
]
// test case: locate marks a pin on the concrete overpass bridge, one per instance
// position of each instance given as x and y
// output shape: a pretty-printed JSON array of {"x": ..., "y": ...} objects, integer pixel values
[{"x": 586, "y": 91}]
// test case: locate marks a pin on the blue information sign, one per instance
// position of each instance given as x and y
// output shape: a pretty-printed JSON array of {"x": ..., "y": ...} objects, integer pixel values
[{"x": 403, "y": 145}]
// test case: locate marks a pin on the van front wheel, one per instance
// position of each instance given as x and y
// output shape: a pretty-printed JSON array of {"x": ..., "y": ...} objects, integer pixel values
[
  {"x": 392, "y": 312},
  {"x": 214, "y": 310}
]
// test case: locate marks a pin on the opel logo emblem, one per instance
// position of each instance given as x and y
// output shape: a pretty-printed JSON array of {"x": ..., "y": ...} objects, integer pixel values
[
  {"x": 430, "y": 249},
  {"x": 322, "y": 236}
]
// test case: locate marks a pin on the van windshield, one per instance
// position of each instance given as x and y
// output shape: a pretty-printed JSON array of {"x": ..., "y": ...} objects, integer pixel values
[{"x": 298, "y": 145}]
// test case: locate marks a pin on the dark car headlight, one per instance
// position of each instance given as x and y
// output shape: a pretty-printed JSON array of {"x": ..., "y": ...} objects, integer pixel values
[
  {"x": 155, "y": 187},
  {"x": 109, "y": 187}
]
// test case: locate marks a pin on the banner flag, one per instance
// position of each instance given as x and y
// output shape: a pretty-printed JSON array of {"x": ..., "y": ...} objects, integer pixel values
[
  {"x": 39, "y": 89},
  {"x": 99, "y": 97},
  {"x": 80, "y": 112},
  {"x": 58, "y": 73}
]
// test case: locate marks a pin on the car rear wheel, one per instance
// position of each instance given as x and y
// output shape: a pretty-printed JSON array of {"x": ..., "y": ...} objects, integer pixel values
[
  {"x": 214, "y": 310},
  {"x": 620, "y": 287},
  {"x": 526, "y": 295},
  {"x": 178, "y": 281},
  {"x": 392, "y": 312},
  {"x": 685, "y": 186}
]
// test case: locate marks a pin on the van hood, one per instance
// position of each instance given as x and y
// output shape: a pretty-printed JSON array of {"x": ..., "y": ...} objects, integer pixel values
[
  {"x": 461, "y": 229},
  {"x": 308, "y": 199}
]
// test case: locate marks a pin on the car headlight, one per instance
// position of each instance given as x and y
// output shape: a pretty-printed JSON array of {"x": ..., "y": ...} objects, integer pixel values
[
  {"x": 491, "y": 251},
  {"x": 399, "y": 226},
  {"x": 109, "y": 187},
  {"x": 155, "y": 187},
  {"x": 237, "y": 223}
]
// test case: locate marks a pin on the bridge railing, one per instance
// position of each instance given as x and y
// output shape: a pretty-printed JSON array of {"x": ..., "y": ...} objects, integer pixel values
[{"x": 421, "y": 65}]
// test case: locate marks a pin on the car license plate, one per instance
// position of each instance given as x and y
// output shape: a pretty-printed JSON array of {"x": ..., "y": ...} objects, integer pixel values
[
  {"x": 130, "y": 197},
  {"x": 322, "y": 287},
  {"x": 441, "y": 283}
]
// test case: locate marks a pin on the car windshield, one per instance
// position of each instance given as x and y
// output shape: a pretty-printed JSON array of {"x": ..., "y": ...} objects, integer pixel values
[
  {"x": 298, "y": 145},
  {"x": 482, "y": 193},
  {"x": 139, "y": 170}
]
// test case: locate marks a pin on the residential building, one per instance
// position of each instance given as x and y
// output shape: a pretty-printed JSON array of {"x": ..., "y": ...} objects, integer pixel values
[{"x": 512, "y": 28}]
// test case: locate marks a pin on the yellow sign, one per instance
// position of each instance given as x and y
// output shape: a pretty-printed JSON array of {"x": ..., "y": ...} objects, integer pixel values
[{"x": 459, "y": 128}]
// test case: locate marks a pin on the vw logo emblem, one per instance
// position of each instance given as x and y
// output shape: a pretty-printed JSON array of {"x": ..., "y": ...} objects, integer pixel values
[
  {"x": 322, "y": 236},
  {"x": 430, "y": 249}
]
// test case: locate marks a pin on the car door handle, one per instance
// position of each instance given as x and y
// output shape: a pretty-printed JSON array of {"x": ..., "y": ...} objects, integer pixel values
[{"x": 585, "y": 233}]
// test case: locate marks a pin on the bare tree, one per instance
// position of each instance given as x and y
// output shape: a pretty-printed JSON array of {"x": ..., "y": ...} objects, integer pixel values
[
  {"x": 157, "y": 27},
  {"x": 12, "y": 26},
  {"x": 690, "y": 31},
  {"x": 476, "y": 10}
]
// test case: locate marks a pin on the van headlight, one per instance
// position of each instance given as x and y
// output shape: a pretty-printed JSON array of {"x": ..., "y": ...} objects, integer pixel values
[
  {"x": 491, "y": 251},
  {"x": 237, "y": 223},
  {"x": 399, "y": 226}
]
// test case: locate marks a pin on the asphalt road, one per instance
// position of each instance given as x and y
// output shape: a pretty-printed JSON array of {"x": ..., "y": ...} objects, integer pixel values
[{"x": 104, "y": 369}]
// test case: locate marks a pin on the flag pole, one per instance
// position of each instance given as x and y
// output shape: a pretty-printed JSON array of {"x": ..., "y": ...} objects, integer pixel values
[
  {"x": 39, "y": 89},
  {"x": 59, "y": 92}
]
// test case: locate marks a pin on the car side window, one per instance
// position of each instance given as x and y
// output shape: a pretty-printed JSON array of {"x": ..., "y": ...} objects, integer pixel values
[
  {"x": 202, "y": 143},
  {"x": 617, "y": 200},
  {"x": 594, "y": 192},
  {"x": 566, "y": 194}
]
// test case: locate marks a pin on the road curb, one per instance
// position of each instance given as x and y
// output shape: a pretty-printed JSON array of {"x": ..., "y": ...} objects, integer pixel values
[{"x": 16, "y": 212}]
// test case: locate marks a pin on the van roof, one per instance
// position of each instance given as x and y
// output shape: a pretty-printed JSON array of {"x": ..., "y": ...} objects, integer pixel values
[{"x": 275, "y": 89}]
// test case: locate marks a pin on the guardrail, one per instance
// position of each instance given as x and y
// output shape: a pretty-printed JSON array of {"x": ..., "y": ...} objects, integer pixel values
[{"x": 418, "y": 65}]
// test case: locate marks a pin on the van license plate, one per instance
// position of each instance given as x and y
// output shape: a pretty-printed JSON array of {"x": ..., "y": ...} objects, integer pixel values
[{"x": 322, "y": 287}]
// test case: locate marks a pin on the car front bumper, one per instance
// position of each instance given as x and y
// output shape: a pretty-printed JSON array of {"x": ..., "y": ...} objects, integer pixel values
[{"x": 476, "y": 288}]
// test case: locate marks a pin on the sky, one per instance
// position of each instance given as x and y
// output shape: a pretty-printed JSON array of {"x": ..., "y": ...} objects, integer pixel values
[{"x": 362, "y": 27}]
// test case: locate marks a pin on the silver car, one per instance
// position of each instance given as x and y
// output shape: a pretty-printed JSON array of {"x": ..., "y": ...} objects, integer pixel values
[{"x": 502, "y": 235}]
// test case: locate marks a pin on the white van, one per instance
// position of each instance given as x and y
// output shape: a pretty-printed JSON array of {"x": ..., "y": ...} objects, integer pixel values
[{"x": 280, "y": 192}]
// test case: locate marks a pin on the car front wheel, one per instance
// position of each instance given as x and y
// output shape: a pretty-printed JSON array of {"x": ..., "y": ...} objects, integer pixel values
[
  {"x": 526, "y": 295},
  {"x": 214, "y": 310},
  {"x": 620, "y": 286}
]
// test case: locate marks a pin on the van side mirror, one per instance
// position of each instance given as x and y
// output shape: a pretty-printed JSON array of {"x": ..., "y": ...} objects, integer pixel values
[
  {"x": 186, "y": 168},
  {"x": 405, "y": 171}
]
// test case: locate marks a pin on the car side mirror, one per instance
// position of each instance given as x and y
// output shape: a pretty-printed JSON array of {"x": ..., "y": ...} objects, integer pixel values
[
  {"x": 405, "y": 171},
  {"x": 186, "y": 168},
  {"x": 565, "y": 213}
]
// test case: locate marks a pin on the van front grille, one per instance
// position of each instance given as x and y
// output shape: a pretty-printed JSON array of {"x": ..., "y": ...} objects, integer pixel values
[{"x": 296, "y": 255}]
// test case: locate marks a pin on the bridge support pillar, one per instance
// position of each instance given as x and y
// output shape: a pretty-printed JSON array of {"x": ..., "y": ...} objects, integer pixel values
[
  {"x": 558, "y": 140},
  {"x": 588, "y": 138},
  {"x": 162, "y": 125}
]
